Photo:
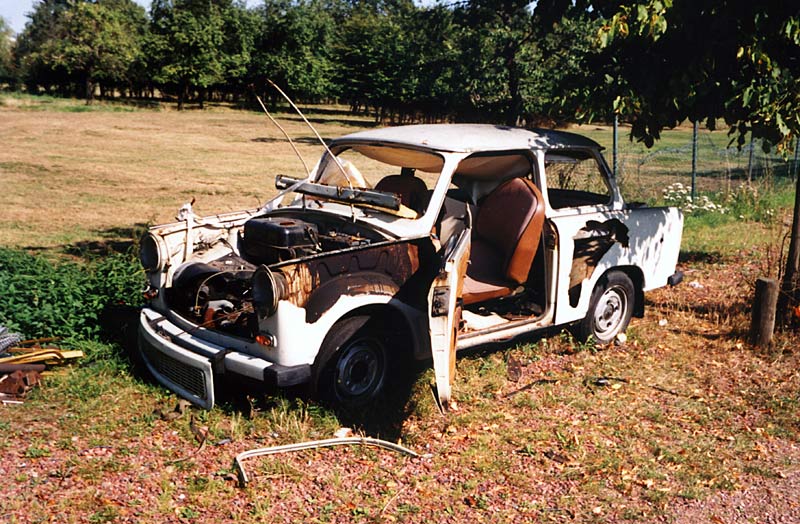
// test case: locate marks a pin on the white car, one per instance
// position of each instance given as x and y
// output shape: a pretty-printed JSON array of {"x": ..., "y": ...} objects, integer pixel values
[{"x": 403, "y": 243}]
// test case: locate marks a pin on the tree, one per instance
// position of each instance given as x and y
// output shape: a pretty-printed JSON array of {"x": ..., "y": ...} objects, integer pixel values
[
  {"x": 95, "y": 45},
  {"x": 294, "y": 48},
  {"x": 666, "y": 61},
  {"x": 81, "y": 42},
  {"x": 7, "y": 72},
  {"x": 186, "y": 44},
  {"x": 44, "y": 24}
]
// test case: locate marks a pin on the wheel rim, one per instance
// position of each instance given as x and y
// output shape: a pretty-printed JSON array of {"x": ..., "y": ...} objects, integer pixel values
[
  {"x": 360, "y": 369},
  {"x": 610, "y": 313}
]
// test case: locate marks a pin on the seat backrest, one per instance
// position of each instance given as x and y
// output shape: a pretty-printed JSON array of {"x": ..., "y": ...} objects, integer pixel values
[
  {"x": 510, "y": 220},
  {"x": 412, "y": 191}
]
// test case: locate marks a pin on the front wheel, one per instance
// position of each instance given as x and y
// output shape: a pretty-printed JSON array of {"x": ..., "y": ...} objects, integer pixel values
[
  {"x": 610, "y": 309},
  {"x": 352, "y": 366}
]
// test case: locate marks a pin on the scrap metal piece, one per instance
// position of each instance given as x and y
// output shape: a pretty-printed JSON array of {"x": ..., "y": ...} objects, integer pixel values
[
  {"x": 19, "y": 382},
  {"x": 314, "y": 444}
]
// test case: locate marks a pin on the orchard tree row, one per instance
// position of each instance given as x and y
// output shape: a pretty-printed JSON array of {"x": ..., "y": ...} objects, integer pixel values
[{"x": 470, "y": 60}]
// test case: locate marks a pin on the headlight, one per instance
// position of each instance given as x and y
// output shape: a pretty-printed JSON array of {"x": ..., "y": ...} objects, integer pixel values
[
  {"x": 268, "y": 289},
  {"x": 150, "y": 253}
]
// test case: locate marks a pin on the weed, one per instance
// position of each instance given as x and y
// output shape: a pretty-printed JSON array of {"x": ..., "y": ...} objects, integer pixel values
[
  {"x": 188, "y": 512},
  {"x": 106, "y": 514},
  {"x": 35, "y": 451},
  {"x": 44, "y": 298}
]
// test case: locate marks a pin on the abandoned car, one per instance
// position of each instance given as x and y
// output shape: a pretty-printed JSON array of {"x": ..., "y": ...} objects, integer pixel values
[{"x": 402, "y": 243}]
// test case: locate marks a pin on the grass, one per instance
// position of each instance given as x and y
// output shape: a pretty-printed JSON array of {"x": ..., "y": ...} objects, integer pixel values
[{"x": 697, "y": 411}]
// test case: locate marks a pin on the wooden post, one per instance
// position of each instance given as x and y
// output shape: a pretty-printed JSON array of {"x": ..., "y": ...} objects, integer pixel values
[{"x": 763, "y": 322}]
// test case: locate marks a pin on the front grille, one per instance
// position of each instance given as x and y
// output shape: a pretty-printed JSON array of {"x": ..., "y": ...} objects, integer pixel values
[{"x": 189, "y": 378}]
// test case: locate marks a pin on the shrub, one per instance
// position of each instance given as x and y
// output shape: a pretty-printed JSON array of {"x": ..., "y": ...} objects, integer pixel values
[{"x": 43, "y": 298}]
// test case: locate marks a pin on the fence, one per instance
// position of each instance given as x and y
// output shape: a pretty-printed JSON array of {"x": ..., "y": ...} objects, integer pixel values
[{"x": 719, "y": 167}]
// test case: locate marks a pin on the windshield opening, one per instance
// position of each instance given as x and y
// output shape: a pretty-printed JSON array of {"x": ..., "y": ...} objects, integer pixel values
[{"x": 408, "y": 174}]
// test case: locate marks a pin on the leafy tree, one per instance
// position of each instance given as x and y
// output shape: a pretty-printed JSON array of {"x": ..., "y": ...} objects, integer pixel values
[
  {"x": 186, "y": 44},
  {"x": 80, "y": 42},
  {"x": 241, "y": 30},
  {"x": 7, "y": 72},
  {"x": 44, "y": 24},
  {"x": 294, "y": 48}
]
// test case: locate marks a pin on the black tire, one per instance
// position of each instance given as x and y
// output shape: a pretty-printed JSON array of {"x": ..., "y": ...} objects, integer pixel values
[
  {"x": 352, "y": 368},
  {"x": 610, "y": 309}
]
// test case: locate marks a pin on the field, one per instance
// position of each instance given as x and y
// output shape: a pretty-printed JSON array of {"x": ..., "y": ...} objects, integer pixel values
[{"x": 685, "y": 422}]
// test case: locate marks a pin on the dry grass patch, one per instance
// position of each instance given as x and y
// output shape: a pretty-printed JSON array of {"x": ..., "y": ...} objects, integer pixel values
[{"x": 78, "y": 177}]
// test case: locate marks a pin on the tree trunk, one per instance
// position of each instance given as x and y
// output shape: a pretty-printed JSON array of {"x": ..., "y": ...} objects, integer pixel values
[
  {"x": 515, "y": 104},
  {"x": 789, "y": 289},
  {"x": 182, "y": 94},
  {"x": 89, "y": 89}
]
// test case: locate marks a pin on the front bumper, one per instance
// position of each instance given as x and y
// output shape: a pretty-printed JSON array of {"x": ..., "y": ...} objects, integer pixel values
[{"x": 187, "y": 364}]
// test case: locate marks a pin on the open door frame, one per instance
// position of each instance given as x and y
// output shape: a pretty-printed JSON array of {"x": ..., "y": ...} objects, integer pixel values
[{"x": 444, "y": 312}]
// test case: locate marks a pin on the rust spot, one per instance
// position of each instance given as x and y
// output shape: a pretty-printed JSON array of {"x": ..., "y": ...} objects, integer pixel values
[{"x": 317, "y": 283}]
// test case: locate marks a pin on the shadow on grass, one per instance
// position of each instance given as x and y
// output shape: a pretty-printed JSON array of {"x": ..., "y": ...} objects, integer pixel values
[
  {"x": 301, "y": 140},
  {"x": 111, "y": 241},
  {"x": 699, "y": 257}
]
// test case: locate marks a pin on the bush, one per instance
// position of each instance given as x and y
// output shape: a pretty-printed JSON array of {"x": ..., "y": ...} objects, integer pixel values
[{"x": 42, "y": 298}]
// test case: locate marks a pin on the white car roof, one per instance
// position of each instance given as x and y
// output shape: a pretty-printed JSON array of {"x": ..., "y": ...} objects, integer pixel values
[{"x": 468, "y": 138}]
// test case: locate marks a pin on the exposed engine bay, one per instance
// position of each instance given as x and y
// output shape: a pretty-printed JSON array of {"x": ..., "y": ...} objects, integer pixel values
[{"x": 218, "y": 294}]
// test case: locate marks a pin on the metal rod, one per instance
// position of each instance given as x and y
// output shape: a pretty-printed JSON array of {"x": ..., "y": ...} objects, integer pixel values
[
  {"x": 615, "y": 147},
  {"x": 300, "y": 446},
  {"x": 694, "y": 160},
  {"x": 291, "y": 142}
]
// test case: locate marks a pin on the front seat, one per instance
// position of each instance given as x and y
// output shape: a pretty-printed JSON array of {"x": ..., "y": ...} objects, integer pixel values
[
  {"x": 504, "y": 240},
  {"x": 411, "y": 190}
]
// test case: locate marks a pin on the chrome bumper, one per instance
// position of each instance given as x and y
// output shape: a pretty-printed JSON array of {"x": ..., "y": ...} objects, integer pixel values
[{"x": 186, "y": 363}]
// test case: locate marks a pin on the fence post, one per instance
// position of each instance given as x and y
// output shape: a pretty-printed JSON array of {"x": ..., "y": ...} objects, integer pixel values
[
  {"x": 616, "y": 139},
  {"x": 762, "y": 323},
  {"x": 750, "y": 162},
  {"x": 694, "y": 160}
]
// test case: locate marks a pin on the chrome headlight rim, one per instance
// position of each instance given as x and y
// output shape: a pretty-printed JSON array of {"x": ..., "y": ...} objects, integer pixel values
[
  {"x": 150, "y": 253},
  {"x": 265, "y": 292}
]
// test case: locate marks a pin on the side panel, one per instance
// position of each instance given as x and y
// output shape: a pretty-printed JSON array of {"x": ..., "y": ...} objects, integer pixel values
[{"x": 592, "y": 243}]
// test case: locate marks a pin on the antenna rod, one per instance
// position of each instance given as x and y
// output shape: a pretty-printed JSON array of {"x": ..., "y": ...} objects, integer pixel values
[
  {"x": 335, "y": 160},
  {"x": 296, "y": 152}
]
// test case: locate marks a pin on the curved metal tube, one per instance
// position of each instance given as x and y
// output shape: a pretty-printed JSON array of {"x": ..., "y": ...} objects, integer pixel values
[{"x": 313, "y": 444}]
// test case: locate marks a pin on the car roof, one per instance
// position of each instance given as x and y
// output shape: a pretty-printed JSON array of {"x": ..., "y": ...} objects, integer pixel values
[{"x": 468, "y": 138}]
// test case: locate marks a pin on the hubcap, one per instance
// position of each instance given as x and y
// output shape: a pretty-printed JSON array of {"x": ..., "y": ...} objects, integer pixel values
[
  {"x": 609, "y": 313},
  {"x": 360, "y": 369}
]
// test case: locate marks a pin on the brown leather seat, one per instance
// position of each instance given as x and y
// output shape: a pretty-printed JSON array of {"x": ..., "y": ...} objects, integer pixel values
[
  {"x": 412, "y": 191},
  {"x": 504, "y": 240}
]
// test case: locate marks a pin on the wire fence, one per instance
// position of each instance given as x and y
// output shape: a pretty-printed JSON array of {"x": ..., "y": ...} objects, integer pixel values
[{"x": 721, "y": 168}]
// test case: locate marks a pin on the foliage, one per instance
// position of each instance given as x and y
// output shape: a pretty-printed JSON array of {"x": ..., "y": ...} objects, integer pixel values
[
  {"x": 77, "y": 43},
  {"x": 294, "y": 48},
  {"x": 186, "y": 42},
  {"x": 664, "y": 62},
  {"x": 7, "y": 73},
  {"x": 44, "y": 298}
]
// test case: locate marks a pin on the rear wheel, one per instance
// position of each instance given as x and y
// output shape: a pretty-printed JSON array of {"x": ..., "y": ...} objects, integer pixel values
[
  {"x": 610, "y": 309},
  {"x": 352, "y": 366}
]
